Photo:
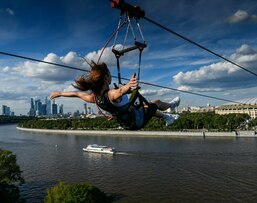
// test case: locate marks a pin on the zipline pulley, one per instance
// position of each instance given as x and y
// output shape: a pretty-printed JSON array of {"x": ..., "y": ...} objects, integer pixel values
[{"x": 133, "y": 11}]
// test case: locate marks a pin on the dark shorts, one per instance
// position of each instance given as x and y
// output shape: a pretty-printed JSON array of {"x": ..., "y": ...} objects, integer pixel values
[{"x": 137, "y": 118}]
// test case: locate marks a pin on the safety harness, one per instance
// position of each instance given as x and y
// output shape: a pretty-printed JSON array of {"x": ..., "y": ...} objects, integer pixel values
[{"x": 124, "y": 114}]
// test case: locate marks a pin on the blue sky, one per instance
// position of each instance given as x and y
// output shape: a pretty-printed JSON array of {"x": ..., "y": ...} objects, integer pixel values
[{"x": 62, "y": 31}]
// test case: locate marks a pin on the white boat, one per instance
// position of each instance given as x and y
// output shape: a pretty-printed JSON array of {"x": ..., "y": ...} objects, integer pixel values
[{"x": 99, "y": 149}]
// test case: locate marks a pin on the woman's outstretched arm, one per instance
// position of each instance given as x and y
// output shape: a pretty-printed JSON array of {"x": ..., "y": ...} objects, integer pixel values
[{"x": 87, "y": 97}]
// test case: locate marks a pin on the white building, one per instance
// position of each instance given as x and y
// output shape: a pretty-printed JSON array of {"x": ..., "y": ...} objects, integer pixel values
[{"x": 244, "y": 106}]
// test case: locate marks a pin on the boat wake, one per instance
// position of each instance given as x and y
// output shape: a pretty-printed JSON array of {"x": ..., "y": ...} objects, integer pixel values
[{"x": 124, "y": 153}]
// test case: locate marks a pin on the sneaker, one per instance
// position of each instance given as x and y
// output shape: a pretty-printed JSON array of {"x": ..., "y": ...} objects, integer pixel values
[
  {"x": 175, "y": 116},
  {"x": 169, "y": 119},
  {"x": 174, "y": 103}
]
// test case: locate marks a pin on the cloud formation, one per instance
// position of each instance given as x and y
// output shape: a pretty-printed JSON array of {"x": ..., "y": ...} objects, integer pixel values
[
  {"x": 222, "y": 75},
  {"x": 156, "y": 92},
  {"x": 109, "y": 58},
  {"x": 50, "y": 73},
  {"x": 242, "y": 16}
]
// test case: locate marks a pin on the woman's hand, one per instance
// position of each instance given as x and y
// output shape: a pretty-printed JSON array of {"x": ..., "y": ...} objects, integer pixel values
[
  {"x": 133, "y": 84},
  {"x": 54, "y": 95}
]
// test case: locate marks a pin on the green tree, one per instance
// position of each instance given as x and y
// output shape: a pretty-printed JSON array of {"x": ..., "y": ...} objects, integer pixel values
[
  {"x": 10, "y": 178},
  {"x": 77, "y": 193}
]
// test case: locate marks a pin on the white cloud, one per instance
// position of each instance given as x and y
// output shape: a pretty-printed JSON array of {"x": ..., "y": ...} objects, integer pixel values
[
  {"x": 69, "y": 88},
  {"x": 191, "y": 89},
  {"x": 202, "y": 62},
  {"x": 222, "y": 75},
  {"x": 109, "y": 58},
  {"x": 241, "y": 16},
  {"x": 157, "y": 93},
  {"x": 51, "y": 73},
  {"x": 6, "y": 69},
  {"x": 185, "y": 88}
]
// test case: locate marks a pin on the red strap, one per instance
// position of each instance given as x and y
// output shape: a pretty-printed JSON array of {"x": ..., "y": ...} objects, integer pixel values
[
  {"x": 115, "y": 3},
  {"x": 108, "y": 41}
]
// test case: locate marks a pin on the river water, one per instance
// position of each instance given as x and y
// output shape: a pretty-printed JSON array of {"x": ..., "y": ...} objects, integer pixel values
[{"x": 147, "y": 170}]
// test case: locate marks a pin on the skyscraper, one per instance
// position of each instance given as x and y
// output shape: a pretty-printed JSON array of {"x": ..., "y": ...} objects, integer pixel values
[
  {"x": 48, "y": 106},
  {"x": 32, "y": 111},
  {"x": 43, "y": 109},
  {"x": 85, "y": 109},
  {"x": 38, "y": 107},
  {"x": 61, "y": 109},
  {"x": 5, "y": 110},
  {"x": 53, "y": 108},
  {"x": 32, "y": 104}
]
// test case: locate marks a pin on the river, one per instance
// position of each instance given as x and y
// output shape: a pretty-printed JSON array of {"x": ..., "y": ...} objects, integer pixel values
[{"x": 146, "y": 170}]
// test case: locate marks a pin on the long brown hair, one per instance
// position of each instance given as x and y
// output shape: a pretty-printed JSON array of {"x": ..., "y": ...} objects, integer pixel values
[{"x": 94, "y": 80}]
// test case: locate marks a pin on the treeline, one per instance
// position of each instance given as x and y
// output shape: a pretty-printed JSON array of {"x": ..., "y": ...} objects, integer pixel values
[
  {"x": 70, "y": 123},
  {"x": 206, "y": 121},
  {"x": 13, "y": 119},
  {"x": 186, "y": 121}
]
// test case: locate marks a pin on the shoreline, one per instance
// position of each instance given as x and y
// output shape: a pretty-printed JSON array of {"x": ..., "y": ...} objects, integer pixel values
[{"x": 246, "y": 134}]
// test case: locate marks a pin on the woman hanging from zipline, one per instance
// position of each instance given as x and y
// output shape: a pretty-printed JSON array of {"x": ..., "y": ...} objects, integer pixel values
[{"x": 131, "y": 116}]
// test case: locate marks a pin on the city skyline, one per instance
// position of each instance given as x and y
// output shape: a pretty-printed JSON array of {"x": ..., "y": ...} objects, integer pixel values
[
  {"x": 46, "y": 108},
  {"x": 50, "y": 108}
]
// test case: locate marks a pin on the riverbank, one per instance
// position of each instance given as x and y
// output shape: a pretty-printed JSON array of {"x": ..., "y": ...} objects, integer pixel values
[{"x": 144, "y": 133}]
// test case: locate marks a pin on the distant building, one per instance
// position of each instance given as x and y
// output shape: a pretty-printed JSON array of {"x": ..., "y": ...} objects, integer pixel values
[
  {"x": 198, "y": 109},
  {"x": 51, "y": 109},
  {"x": 76, "y": 114},
  {"x": 54, "y": 108},
  {"x": 244, "y": 106},
  {"x": 38, "y": 107},
  {"x": 43, "y": 109},
  {"x": 61, "y": 109},
  {"x": 32, "y": 111},
  {"x": 5, "y": 110},
  {"x": 89, "y": 110},
  {"x": 85, "y": 109},
  {"x": 48, "y": 106},
  {"x": 32, "y": 106}
]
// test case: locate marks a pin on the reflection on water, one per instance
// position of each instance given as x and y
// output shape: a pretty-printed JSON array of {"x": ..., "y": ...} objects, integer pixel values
[{"x": 144, "y": 169}]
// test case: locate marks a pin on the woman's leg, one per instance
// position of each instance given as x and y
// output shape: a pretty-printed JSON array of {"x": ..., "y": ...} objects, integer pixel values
[
  {"x": 168, "y": 118},
  {"x": 161, "y": 105},
  {"x": 156, "y": 106},
  {"x": 164, "y": 105},
  {"x": 153, "y": 111},
  {"x": 159, "y": 114}
]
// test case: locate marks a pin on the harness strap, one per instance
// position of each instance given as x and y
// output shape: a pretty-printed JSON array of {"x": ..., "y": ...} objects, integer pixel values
[{"x": 118, "y": 68}]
